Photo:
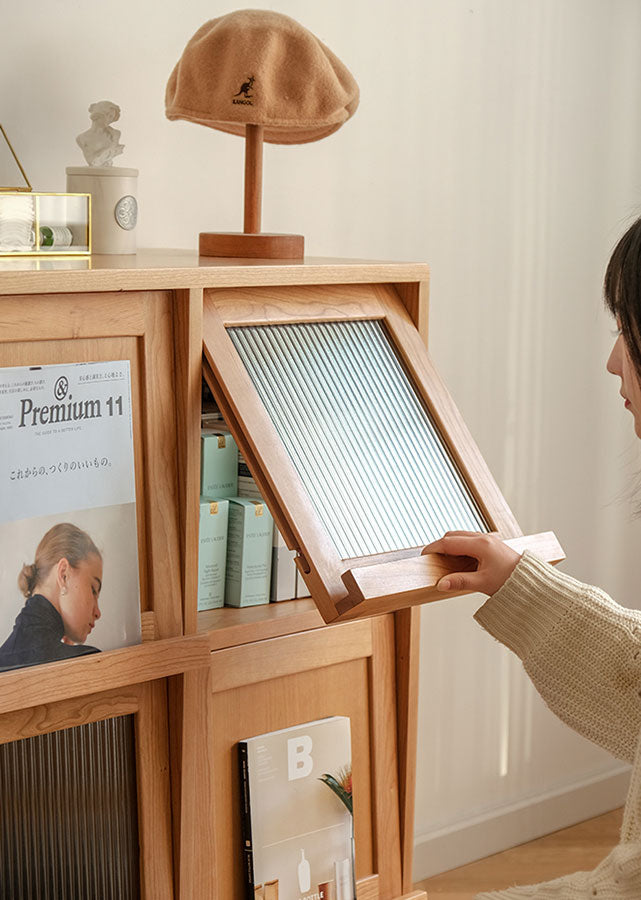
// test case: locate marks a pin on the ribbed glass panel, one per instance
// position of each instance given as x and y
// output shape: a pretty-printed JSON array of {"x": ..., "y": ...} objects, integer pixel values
[
  {"x": 68, "y": 814},
  {"x": 376, "y": 469}
]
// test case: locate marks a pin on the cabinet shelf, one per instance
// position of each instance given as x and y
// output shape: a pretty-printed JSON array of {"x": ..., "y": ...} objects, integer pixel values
[{"x": 230, "y": 627}]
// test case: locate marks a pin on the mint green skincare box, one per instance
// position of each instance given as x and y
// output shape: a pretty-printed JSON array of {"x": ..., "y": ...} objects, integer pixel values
[
  {"x": 218, "y": 463},
  {"x": 249, "y": 552},
  {"x": 212, "y": 552}
]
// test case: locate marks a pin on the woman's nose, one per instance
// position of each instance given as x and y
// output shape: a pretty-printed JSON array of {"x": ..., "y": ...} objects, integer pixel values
[
  {"x": 613, "y": 364},
  {"x": 97, "y": 612}
]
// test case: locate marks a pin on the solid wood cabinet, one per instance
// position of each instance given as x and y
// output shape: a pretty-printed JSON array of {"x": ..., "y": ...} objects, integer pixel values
[{"x": 202, "y": 681}]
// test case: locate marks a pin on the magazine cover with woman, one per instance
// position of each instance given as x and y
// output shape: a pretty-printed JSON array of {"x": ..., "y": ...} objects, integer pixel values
[{"x": 69, "y": 581}]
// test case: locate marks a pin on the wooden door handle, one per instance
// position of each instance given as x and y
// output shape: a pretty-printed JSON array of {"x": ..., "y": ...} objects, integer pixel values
[{"x": 411, "y": 581}]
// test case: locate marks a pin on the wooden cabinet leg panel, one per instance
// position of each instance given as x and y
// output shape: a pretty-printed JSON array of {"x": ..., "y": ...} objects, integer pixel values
[
  {"x": 384, "y": 759},
  {"x": 175, "y": 694},
  {"x": 407, "y": 637},
  {"x": 154, "y": 809},
  {"x": 245, "y": 711},
  {"x": 193, "y": 777}
]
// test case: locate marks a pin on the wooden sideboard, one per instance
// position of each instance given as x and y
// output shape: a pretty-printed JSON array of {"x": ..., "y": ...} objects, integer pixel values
[{"x": 199, "y": 682}]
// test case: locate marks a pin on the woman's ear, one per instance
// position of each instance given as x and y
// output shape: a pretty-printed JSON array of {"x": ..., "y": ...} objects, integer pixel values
[{"x": 62, "y": 573}]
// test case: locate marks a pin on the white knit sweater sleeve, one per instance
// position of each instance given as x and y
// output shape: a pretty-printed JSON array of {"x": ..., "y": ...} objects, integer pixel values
[{"x": 580, "y": 648}]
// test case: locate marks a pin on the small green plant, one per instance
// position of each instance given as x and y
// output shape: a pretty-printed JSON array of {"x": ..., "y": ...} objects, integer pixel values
[{"x": 341, "y": 784}]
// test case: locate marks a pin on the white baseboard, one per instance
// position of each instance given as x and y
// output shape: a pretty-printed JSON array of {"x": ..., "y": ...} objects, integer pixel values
[{"x": 507, "y": 826}]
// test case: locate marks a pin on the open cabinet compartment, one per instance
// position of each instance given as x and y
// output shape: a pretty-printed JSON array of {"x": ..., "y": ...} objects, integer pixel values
[
  {"x": 319, "y": 384},
  {"x": 135, "y": 327},
  {"x": 276, "y": 683}
]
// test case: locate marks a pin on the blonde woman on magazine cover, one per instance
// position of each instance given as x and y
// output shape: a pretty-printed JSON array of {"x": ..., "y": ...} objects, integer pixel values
[{"x": 61, "y": 587}]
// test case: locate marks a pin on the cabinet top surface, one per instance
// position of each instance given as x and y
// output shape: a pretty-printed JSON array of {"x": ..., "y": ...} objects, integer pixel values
[{"x": 184, "y": 269}]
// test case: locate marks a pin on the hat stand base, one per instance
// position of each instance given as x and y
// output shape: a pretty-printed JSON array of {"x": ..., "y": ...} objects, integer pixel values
[{"x": 262, "y": 245}]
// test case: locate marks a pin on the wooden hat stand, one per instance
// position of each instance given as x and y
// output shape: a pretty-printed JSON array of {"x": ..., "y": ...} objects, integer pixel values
[{"x": 252, "y": 242}]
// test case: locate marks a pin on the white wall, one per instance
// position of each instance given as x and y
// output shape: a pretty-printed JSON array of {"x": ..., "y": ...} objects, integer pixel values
[
  {"x": 542, "y": 103},
  {"x": 500, "y": 141}
]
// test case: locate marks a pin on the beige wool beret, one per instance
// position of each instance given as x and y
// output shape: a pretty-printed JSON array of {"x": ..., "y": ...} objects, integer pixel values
[{"x": 260, "y": 67}]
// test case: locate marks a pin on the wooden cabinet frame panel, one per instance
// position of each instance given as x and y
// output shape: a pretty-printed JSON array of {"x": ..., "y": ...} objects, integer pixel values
[
  {"x": 385, "y": 772},
  {"x": 138, "y": 327},
  {"x": 188, "y": 388},
  {"x": 334, "y": 583},
  {"x": 192, "y": 773},
  {"x": 407, "y": 639},
  {"x": 148, "y": 704},
  {"x": 278, "y": 657},
  {"x": 96, "y": 672}
]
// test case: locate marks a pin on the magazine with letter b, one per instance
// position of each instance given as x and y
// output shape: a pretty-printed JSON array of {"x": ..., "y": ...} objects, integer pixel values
[
  {"x": 296, "y": 802},
  {"x": 69, "y": 582}
]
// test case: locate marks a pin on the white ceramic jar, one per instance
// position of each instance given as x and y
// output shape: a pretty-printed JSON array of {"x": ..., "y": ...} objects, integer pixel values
[{"x": 114, "y": 205}]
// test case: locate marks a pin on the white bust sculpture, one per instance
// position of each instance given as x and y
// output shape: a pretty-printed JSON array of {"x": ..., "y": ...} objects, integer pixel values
[{"x": 99, "y": 143}]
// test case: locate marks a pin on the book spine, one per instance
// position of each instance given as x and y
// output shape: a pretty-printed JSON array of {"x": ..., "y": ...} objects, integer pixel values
[{"x": 245, "y": 820}]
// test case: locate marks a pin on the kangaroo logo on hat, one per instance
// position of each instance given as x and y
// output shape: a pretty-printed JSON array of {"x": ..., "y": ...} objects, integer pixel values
[{"x": 245, "y": 88}]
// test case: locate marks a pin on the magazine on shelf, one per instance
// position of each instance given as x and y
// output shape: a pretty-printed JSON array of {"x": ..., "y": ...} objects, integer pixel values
[
  {"x": 296, "y": 801},
  {"x": 68, "y": 486}
]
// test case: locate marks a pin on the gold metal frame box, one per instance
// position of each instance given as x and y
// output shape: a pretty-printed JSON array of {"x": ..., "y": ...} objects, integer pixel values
[{"x": 44, "y": 224}]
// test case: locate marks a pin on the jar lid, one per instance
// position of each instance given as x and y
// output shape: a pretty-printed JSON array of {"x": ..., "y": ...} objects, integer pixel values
[{"x": 113, "y": 171}]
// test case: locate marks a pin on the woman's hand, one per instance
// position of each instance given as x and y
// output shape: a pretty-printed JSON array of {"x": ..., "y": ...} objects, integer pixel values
[{"x": 495, "y": 561}]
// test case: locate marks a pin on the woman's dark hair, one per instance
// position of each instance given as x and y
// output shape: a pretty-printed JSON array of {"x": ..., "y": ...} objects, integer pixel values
[
  {"x": 63, "y": 540},
  {"x": 622, "y": 290}
]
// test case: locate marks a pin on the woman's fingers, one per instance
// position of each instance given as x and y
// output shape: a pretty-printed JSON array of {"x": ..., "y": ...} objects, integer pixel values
[
  {"x": 495, "y": 561},
  {"x": 461, "y": 543},
  {"x": 460, "y": 581}
]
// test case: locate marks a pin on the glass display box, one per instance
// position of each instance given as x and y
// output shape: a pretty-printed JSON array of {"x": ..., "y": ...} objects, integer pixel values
[{"x": 44, "y": 224}]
